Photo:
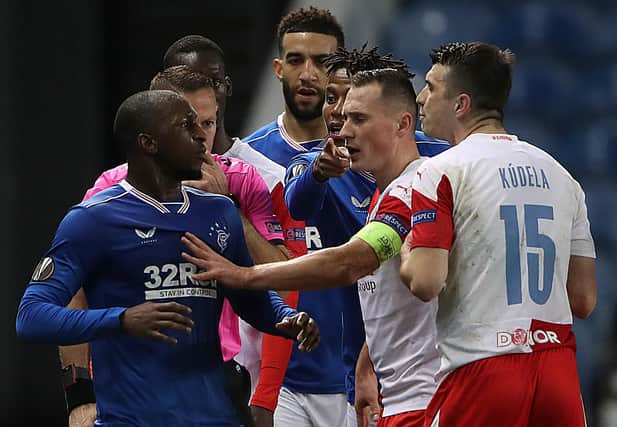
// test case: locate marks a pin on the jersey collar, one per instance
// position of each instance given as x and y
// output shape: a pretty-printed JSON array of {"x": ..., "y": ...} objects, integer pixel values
[{"x": 155, "y": 203}]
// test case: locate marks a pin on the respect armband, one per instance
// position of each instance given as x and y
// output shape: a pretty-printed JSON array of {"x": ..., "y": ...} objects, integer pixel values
[{"x": 384, "y": 240}]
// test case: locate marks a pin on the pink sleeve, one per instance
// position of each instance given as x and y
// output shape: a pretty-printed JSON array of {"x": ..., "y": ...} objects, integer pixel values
[
  {"x": 229, "y": 332},
  {"x": 256, "y": 203},
  {"x": 106, "y": 180}
]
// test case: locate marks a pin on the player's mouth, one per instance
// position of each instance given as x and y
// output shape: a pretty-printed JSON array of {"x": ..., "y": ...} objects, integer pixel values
[
  {"x": 306, "y": 94},
  {"x": 335, "y": 127}
]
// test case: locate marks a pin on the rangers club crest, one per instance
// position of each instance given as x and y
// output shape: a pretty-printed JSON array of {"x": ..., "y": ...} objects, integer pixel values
[{"x": 221, "y": 234}]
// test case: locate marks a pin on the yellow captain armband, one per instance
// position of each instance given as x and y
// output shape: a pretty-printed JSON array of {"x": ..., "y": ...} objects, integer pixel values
[{"x": 382, "y": 238}]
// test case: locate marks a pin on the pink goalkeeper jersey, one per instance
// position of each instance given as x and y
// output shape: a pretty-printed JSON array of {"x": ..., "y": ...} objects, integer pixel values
[{"x": 255, "y": 203}]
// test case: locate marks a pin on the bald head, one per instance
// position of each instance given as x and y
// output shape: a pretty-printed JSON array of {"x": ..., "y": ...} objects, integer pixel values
[{"x": 143, "y": 113}]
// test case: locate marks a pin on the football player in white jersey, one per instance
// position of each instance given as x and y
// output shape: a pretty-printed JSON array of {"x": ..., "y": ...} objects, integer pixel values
[
  {"x": 380, "y": 113},
  {"x": 500, "y": 236}
]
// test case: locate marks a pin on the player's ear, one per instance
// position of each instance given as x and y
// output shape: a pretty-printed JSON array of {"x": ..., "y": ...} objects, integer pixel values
[
  {"x": 277, "y": 66},
  {"x": 462, "y": 105},
  {"x": 406, "y": 123},
  {"x": 147, "y": 143},
  {"x": 228, "y": 86}
]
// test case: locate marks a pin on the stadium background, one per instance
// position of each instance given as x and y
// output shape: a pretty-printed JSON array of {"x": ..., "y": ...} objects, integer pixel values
[{"x": 67, "y": 66}]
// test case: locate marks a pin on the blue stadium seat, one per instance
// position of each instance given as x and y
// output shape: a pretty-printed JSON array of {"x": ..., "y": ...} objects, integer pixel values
[
  {"x": 542, "y": 86},
  {"x": 424, "y": 26}
]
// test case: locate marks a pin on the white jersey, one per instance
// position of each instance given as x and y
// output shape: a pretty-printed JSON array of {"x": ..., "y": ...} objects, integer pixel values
[
  {"x": 511, "y": 217},
  {"x": 271, "y": 172},
  {"x": 400, "y": 328}
]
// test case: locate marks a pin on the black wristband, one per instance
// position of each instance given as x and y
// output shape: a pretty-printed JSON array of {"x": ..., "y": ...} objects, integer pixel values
[
  {"x": 78, "y": 387},
  {"x": 79, "y": 393}
]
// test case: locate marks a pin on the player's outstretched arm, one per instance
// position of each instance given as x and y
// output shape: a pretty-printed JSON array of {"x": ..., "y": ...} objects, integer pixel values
[
  {"x": 307, "y": 176},
  {"x": 581, "y": 285},
  {"x": 326, "y": 268}
]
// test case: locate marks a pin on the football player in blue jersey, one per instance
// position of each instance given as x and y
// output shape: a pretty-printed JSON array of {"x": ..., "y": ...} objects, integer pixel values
[
  {"x": 338, "y": 207},
  {"x": 157, "y": 362}
]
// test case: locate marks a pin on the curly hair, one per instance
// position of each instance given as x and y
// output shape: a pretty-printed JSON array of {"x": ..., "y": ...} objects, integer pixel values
[{"x": 310, "y": 20}]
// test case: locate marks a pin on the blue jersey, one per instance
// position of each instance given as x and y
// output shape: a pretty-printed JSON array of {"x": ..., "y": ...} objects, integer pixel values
[
  {"x": 334, "y": 211},
  {"x": 320, "y": 371},
  {"x": 124, "y": 248},
  {"x": 273, "y": 141}
]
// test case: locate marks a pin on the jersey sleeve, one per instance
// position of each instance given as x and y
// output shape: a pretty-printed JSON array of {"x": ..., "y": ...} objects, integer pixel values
[
  {"x": 275, "y": 355},
  {"x": 256, "y": 204},
  {"x": 75, "y": 252},
  {"x": 432, "y": 208},
  {"x": 304, "y": 195},
  {"x": 582, "y": 241},
  {"x": 390, "y": 224},
  {"x": 293, "y": 230}
]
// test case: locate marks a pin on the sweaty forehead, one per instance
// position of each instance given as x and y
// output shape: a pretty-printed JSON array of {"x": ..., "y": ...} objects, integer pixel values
[{"x": 310, "y": 44}]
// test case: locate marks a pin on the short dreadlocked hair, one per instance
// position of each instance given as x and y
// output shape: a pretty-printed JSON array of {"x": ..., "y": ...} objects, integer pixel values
[
  {"x": 311, "y": 20},
  {"x": 364, "y": 60},
  {"x": 180, "y": 79},
  {"x": 481, "y": 70}
]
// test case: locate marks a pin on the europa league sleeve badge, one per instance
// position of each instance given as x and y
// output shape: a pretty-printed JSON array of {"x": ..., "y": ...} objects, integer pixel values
[{"x": 44, "y": 269}]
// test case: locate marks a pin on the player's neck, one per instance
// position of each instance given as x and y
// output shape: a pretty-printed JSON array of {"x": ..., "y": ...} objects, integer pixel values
[
  {"x": 222, "y": 141},
  {"x": 300, "y": 130},
  {"x": 407, "y": 153},
  {"x": 153, "y": 183},
  {"x": 480, "y": 125}
]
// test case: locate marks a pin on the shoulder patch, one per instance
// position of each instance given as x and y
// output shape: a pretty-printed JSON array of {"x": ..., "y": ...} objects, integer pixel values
[{"x": 44, "y": 270}]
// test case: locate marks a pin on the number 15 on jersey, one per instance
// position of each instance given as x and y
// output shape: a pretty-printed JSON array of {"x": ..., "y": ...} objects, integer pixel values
[{"x": 539, "y": 291}]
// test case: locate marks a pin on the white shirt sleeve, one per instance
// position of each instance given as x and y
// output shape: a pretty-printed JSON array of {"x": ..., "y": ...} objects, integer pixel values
[{"x": 582, "y": 241}]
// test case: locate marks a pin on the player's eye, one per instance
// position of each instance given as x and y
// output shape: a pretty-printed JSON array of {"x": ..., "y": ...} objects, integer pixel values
[
  {"x": 331, "y": 99},
  {"x": 295, "y": 60}
]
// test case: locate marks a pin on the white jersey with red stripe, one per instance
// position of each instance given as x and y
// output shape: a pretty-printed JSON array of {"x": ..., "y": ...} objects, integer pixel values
[
  {"x": 400, "y": 328},
  {"x": 511, "y": 216}
]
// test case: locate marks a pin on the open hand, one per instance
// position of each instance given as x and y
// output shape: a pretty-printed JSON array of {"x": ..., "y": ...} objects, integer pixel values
[
  {"x": 304, "y": 328},
  {"x": 147, "y": 320},
  {"x": 215, "y": 266}
]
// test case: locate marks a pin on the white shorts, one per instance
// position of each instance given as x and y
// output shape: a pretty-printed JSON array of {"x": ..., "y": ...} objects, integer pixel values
[{"x": 310, "y": 410}]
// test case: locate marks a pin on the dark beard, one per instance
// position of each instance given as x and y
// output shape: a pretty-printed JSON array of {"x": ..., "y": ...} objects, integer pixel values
[{"x": 302, "y": 115}]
